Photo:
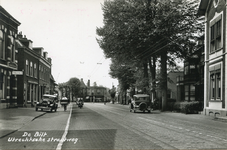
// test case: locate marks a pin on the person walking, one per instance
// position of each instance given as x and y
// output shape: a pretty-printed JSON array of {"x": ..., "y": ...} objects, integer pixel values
[{"x": 64, "y": 102}]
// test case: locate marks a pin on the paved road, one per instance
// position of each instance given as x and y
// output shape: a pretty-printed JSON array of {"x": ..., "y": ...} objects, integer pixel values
[{"x": 98, "y": 126}]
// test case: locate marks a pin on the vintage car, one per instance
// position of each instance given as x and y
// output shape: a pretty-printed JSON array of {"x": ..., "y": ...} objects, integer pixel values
[
  {"x": 48, "y": 103},
  {"x": 140, "y": 102},
  {"x": 64, "y": 101}
]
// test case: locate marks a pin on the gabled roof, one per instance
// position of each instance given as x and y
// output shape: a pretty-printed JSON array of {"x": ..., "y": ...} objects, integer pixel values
[
  {"x": 202, "y": 7},
  {"x": 82, "y": 84}
]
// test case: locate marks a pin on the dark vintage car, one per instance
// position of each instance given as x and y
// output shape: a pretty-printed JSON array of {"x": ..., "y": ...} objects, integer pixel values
[
  {"x": 48, "y": 103},
  {"x": 140, "y": 102}
]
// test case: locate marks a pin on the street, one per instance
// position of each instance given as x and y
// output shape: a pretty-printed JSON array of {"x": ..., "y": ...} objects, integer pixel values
[{"x": 112, "y": 126}]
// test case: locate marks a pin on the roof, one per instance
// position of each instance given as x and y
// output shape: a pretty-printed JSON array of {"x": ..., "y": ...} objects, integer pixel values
[
  {"x": 141, "y": 95},
  {"x": 202, "y": 7},
  {"x": 5, "y": 13},
  {"x": 49, "y": 95}
]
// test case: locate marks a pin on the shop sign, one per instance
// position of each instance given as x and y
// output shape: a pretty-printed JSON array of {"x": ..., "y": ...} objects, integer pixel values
[{"x": 17, "y": 72}]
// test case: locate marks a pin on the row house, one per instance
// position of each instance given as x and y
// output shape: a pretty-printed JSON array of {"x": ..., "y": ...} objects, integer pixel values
[
  {"x": 8, "y": 58},
  {"x": 36, "y": 67},
  {"x": 215, "y": 41}
]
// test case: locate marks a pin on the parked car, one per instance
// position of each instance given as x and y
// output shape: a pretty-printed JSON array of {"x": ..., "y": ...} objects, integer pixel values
[
  {"x": 140, "y": 102},
  {"x": 48, "y": 103}
]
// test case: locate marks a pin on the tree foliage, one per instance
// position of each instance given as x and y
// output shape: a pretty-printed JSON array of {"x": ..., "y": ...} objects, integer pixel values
[
  {"x": 75, "y": 85},
  {"x": 134, "y": 31}
]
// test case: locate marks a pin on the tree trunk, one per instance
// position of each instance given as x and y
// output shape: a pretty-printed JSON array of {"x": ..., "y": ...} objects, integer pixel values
[
  {"x": 152, "y": 66},
  {"x": 145, "y": 67},
  {"x": 164, "y": 79}
]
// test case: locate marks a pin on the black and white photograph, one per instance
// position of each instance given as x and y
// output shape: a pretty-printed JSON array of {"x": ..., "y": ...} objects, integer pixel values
[{"x": 113, "y": 74}]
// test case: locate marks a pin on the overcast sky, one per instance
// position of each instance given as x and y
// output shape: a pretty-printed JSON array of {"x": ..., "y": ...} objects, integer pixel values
[{"x": 66, "y": 29}]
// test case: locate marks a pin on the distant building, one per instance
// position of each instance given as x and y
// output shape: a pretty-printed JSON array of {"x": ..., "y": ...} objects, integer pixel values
[
  {"x": 8, "y": 59},
  {"x": 93, "y": 93}
]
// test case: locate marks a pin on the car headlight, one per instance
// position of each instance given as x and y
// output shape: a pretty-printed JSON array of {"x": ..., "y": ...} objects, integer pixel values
[{"x": 51, "y": 104}]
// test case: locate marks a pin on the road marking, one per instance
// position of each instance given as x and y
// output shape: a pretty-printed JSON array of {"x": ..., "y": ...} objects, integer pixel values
[{"x": 59, "y": 147}]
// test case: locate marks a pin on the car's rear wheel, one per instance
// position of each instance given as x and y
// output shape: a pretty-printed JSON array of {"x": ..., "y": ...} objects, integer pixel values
[
  {"x": 36, "y": 109},
  {"x": 149, "y": 111}
]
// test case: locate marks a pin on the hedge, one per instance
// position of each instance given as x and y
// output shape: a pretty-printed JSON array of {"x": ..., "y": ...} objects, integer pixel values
[{"x": 187, "y": 107}]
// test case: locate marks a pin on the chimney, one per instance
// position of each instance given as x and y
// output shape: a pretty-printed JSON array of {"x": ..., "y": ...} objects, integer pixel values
[
  {"x": 45, "y": 55},
  {"x": 88, "y": 83},
  {"x": 49, "y": 60},
  {"x": 20, "y": 35},
  {"x": 38, "y": 50}
]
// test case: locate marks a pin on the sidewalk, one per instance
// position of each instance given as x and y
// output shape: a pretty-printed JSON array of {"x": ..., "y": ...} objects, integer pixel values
[
  {"x": 219, "y": 118},
  {"x": 12, "y": 119}
]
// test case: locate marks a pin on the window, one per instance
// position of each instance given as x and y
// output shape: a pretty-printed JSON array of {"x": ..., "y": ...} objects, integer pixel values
[
  {"x": 31, "y": 69},
  {"x": 27, "y": 68},
  {"x": 2, "y": 45},
  {"x": 35, "y": 71},
  {"x": 215, "y": 85},
  {"x": 186, "y": 88},
  {"x": 2, "y": 85},
  {"x": 186, "y": 69},
  {"x": 216, "y": 34}
]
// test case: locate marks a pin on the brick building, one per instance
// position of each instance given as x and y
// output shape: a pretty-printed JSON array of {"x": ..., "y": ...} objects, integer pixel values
[
  {"x": 8, "y": 58},
  {"x": 36, "y": 79}
]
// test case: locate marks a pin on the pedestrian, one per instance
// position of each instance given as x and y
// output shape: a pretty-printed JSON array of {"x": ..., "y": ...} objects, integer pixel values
[{"x": 104, "y": 101}]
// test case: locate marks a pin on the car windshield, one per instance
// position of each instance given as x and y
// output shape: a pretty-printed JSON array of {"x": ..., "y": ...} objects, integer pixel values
[
  {"x": 48, "y": 98},
  {"x": 141, "y": 98}
]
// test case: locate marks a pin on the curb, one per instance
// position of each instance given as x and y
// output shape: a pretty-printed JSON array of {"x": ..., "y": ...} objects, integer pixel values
[{"x": 222, "y": 119}]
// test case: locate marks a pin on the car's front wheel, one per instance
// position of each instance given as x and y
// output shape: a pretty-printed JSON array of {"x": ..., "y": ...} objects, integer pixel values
[{"x": 36, "y": 109}]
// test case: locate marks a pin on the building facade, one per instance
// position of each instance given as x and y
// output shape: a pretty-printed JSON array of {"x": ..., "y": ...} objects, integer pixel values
[
  {"x": 215, "y": 71},
  {"x": 190, "y": 86},
  {"x": 8, "y": 58},
  {"x": 36, "y": 79}
]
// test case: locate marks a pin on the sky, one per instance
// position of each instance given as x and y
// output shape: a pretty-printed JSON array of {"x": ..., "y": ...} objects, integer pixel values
[{"x": 66, "y": 29}]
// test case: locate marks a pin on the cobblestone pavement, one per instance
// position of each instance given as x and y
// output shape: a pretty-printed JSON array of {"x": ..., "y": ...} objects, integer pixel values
[
  {"x": 168, "y": 130},
  {"x": 111, "y": 126}
]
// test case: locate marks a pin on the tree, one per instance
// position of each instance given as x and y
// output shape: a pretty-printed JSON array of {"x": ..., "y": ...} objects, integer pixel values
[
  {"x": 141, "y": 31},
  {"x": 112, "y": 93},
  {"x": 74, "y": 86},
  {"x": 127, "y": 33}
]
